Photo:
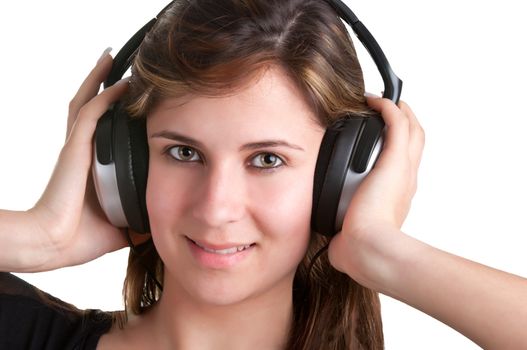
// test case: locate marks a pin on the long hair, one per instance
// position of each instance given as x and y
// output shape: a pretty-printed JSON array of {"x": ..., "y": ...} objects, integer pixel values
[{"x": 212, "y": 48}]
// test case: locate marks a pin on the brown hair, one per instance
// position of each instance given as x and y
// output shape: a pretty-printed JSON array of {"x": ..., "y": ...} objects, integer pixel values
[{"x": 213, "y": 47}]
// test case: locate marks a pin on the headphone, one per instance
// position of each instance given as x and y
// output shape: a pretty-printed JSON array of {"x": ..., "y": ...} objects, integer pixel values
[{"x": 349, "y": 149}]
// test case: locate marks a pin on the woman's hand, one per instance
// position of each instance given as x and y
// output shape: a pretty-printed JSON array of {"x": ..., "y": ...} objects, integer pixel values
[
  {"x": 482, "y": 303},
  {"x": 380, "y": 205},
  {"x": 67, "y": 226}
]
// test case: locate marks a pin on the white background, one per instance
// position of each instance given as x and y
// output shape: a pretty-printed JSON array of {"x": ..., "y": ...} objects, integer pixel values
[{"x": 464, "y": 73}]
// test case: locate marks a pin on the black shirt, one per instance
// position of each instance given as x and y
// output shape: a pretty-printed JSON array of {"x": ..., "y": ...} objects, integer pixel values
[{"x": 31, "y": 319}]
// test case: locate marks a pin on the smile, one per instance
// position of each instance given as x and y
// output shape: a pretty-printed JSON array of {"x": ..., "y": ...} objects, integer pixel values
[
  {"x": 224, "y": 251},
  {"x": 220, "y": 256}
]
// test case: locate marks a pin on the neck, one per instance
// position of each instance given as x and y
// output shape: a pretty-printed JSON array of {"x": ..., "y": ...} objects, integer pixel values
[{"x": 179, "y": 321}]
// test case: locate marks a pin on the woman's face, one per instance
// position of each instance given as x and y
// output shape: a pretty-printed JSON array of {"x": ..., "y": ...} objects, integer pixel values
[{"x": 230, "y": 187}]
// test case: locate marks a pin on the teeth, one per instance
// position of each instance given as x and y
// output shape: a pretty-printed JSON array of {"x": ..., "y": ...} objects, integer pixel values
[{"x": 224, "y": 251}]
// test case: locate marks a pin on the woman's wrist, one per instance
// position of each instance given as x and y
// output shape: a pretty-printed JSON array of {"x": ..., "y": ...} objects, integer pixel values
[
  {"x": 379, "y": 256},
  {"x": 395, "y": 254},
  {"x": 22, "y": 242}
]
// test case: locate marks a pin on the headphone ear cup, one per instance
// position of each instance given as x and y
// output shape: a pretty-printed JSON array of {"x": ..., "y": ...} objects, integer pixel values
[
  {"x": 333, "y": 162},
  {"x": 131, "y": 166},
  {"x": 120, "y": 168},
  {"x": 348, "y": 152},
  {"x": 370, "y": 142}
]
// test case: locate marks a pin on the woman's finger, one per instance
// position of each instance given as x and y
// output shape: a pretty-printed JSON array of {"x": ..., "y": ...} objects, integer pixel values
[
  {"x": 89, "y": 87},
  {"x": 397, "y": 130},
  {"x": 76, "y": 155},
  {"x": 88, "y": 115},
  {"x": 66, "y": 189},
  {"x": 416, "y": 135}
]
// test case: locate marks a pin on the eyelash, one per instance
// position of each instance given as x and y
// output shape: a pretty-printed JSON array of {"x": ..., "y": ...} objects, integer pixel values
[{"x": 168, "y": 153}]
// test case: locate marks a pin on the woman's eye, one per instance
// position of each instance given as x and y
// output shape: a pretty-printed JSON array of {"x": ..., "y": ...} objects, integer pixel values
[
  {"x": 267, "y": 161},
  {"x": 188, "y": 154},
  {"x": 184, "y": 153}
]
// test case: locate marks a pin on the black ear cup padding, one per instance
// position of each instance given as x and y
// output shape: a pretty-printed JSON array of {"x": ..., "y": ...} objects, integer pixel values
[
  {"x": 139, "y": 158},
  {"x": 325, "y": 210},
  {"x": 324, "y": 156},
  {"x": 126, "y": 170}
]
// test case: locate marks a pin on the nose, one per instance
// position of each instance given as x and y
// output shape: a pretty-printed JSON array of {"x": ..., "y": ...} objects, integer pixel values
[{"x": 220, "y": 197}]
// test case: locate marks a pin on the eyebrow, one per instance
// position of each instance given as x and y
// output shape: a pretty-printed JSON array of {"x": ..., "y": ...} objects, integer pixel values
[{"x": 171, "y": 135}]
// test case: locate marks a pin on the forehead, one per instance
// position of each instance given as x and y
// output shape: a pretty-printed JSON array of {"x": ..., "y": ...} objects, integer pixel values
[{"x": 271, "y": 101}]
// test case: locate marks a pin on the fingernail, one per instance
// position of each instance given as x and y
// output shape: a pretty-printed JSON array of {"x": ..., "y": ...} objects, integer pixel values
[
  {"x": 369, "y": 94},
  {"x": 104, "y": 54},
  {"x": 124, "y": 80}
]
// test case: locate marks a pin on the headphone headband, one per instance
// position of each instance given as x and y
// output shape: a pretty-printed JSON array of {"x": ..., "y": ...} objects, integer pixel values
[{"x": 392, "y": 83}]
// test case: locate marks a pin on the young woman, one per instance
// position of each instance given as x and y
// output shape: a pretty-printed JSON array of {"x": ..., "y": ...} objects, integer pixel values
[{"x": 237, "y": 96}]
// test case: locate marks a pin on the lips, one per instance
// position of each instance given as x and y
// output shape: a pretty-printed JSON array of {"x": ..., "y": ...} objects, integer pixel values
[
  {"x": 224, "y": 256},
  {"x": 224, "y": 249}
]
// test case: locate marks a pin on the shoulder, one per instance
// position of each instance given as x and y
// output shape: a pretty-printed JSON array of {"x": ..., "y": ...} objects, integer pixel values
[{"x": 30, "y": 318}]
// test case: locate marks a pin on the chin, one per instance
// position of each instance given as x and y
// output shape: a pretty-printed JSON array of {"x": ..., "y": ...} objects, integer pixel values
[
  {"x": 223, "y": 292},
  {"x": 223, "y": 299},
  {"x": 221, "y": 289}
]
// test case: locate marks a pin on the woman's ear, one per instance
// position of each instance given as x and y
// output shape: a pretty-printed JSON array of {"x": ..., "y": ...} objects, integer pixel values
[{"x": 139, "y": 238}]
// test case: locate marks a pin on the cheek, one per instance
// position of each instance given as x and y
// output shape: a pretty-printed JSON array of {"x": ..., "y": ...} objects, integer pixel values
[
  {"x": 163, "y": 199},
  {"x": 285, "y": 213},
  {"x": 286, "y": 230},
  {"x": 287, "y": 202}
]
